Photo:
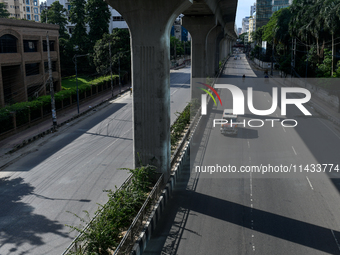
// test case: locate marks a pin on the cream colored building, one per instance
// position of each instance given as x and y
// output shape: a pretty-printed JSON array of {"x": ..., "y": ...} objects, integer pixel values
[
  {"x": 24, "y": 61},
  {"x": 252, "y": 26},
  {"x": 23, "y": 9}
]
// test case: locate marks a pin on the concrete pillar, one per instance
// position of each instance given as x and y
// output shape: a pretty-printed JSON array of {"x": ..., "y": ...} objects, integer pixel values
[
  {"x": 218, "y": 50},
  {"x": 198, "y": 27},
  {"x": 150, "y": 22},
  {"x": 2, "y": 96},
  {"x": 211, "y": 50}
]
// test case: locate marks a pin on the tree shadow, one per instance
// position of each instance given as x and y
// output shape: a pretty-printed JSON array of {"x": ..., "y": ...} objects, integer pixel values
[{"x": 16, "y": 215}]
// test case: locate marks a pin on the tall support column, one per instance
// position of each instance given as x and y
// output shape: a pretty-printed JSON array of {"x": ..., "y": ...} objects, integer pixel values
[
  {"x": 218, "y": 50},
  {"x": 150, "y": 22},
  {"x": 198, "y": 27},
  {"x": 211, "y": 50}
]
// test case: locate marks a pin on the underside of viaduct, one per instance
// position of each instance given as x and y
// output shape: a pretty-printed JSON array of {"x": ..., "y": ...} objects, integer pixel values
[{"x": 211, "y": 25}]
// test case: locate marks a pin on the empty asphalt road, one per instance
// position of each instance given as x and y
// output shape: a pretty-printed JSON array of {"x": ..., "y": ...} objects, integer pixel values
[{"x": 67, "y": 174}]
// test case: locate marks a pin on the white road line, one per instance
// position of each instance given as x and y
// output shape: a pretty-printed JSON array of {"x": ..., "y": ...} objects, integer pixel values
[
  {"x": 336, "y": 241},
  {"x": 310, "y": 184},
  {"x": 284, "y": 128},
  {"x": 294, "y": 150},
  {"x": 174, "y": 92},
  {"x": 330, "y": 129}
]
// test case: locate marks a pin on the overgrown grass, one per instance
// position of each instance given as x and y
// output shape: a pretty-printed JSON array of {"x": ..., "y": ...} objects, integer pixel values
[
  {"x": 105, "y": 231},
  {"x": 71, "y": 82},
  {"x": 182, "y": 121}
]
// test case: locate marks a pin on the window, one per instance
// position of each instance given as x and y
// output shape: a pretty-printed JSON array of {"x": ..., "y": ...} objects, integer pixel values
[
  {"x": 29, "y": 16},
  {"x": 45, "y": 45},
  {"x": 32, "y": 69},
  {"x": 28, "y": 9},
  {"x": 28, "y": 2},
  {"x": 35, "y": 3},
  {"x": 8, "y": 44},
  {"x": 70, "y": 29},
  {"x": 30, "y": 45},
  {"x": 35, "y": 10},
  {"x": 36, "y": 17},
  {"x": 54, "y": 66},
  {"x": 117, "y": 18},
  {"x": 69, "y": 7}
]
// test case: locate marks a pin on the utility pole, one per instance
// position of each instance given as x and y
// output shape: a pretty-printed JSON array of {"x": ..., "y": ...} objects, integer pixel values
[
  {"x": 75, "y": 62},
  {"x": 111, "y": 69},
  {"x": 77, "y": 83},
  {"x": 120, "y": 84},
  {"x": 272, "y": 66},
  {"x": 54, "y": 114}
]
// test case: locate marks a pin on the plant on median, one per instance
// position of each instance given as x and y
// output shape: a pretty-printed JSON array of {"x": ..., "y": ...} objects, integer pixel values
[{"x": 104, "y": 232}]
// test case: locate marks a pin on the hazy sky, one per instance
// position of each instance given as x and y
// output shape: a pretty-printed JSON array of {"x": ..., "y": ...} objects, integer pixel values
[{"x": 243, "y": 10}]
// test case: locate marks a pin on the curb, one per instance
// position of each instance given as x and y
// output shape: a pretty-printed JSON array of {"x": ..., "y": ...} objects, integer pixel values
[
  {"x": 156, "y": 214},
  {"x": 164, "y": 198},
  {"x": 51, "y": 130}
]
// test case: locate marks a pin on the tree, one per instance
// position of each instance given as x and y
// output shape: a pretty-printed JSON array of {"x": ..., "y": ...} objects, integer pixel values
[
  {"x": 176, "y": 44},
  {"x": 78, "y": 16},
  {"x": 98, "y": 17},
  {"x": 3, "y": 12},
  {"x": 331, "y": 20},
  {"x": 56, "y": 15},
  {"x": 120, "y": 52}
]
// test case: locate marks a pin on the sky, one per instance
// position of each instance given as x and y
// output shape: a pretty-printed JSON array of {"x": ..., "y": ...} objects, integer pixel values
[{"x": 243, "y": 10}]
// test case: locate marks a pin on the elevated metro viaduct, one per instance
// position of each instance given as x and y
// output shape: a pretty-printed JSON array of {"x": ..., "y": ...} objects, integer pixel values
[{"x": 211, "y": 25}]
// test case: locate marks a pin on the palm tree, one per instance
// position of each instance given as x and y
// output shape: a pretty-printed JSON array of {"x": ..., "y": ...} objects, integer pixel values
[{"x": 331, "y": 19}]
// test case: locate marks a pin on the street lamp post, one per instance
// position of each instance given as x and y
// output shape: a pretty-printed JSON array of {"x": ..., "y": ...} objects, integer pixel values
[{"x": 75, "y": 62}]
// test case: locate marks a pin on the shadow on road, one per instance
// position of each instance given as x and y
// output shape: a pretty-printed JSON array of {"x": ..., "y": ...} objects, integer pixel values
[{"x": 16, "y": 214}]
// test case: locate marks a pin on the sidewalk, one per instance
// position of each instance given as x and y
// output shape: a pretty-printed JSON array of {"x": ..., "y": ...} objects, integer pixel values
[
  {"x": 19, "y": 140},
  {"x": 318, "y": 104}
]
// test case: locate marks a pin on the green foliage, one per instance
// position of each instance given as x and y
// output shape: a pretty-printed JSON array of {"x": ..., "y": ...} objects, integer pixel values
[
  {"x": 104, "y": 232},
  {"x": 22, "y": 109},
  {"x": 242, "y": 37},
  {"x": 182, "y": 121},
  {"x": 78, "y": 17},
  {"x": 120, "y": 52},
  {"x": 66, "y": 54},
  {"x": 3, "y": 12},
  {"x": 175, "y": 43},
  {"x": 97, "y": 16},
  {"x": 324, "y": 69},
  {"x": 56, "y": 15}
]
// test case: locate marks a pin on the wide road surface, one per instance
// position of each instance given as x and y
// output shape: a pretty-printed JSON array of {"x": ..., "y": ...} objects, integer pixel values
[
  {"x": 279, "y": 214},
  {"x": 69, "y": 172}
]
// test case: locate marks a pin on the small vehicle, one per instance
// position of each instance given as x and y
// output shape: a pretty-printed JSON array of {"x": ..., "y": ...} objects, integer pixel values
[{"x": 229, "y": 128}]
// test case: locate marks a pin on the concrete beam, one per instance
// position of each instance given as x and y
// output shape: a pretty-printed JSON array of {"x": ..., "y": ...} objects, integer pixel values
[
  {"x": 199, "y": 28},
  {"x": 150, "y": 22}
]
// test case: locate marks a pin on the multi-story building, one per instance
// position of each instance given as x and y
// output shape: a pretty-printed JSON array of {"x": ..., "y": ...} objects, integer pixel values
[
  {"x": 116, "y": 20},
  {"x": 23, "y": 9},
  {"x": 179, "y": 31},
  {"x": 252, "y": 26},
  {"x": 266, "y": 8},
  {"x": 23, "y": 60},
  {"x": 239, "y": 30},
  {"x": 252, "y": 9},
  {"x": 245, "y": 25}
]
